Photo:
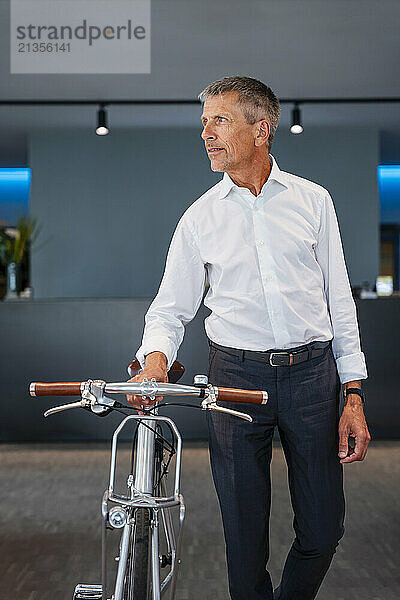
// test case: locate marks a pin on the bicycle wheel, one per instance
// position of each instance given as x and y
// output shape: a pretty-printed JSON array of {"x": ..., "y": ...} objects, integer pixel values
[{"x": 138, "y": 576}]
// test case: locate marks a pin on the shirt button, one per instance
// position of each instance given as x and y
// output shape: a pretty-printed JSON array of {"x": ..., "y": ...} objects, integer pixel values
[
  {"x": 260, "y": 243},
  {"x": 268, "y": 277}
]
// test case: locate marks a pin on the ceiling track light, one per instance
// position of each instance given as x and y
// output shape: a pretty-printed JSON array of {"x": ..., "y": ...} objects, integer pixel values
[
  {"x": 296, "y": 120},
  {"x": 102, "y": 127}
]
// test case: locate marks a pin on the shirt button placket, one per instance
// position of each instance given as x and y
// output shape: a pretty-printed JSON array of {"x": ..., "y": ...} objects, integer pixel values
[{"x": 264, "y": 257}]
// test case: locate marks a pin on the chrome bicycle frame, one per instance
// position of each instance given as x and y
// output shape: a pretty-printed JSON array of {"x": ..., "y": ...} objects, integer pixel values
[{"x": 141, "y": 496}]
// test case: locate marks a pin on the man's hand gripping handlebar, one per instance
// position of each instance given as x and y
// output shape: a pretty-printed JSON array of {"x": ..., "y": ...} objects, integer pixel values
[{"x": 93, "y": 396}]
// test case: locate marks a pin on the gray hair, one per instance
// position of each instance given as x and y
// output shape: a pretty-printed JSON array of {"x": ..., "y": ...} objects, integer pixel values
[{"x": 257, "y": 100}]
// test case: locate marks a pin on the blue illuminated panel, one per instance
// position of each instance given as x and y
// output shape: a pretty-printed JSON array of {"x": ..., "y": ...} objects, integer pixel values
[
  {"x": 14, "y": 194},
  {"x": 389, "y": 193}
]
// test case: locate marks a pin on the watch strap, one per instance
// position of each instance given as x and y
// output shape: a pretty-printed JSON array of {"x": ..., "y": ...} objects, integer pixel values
[{"x": 350, "y": 390}]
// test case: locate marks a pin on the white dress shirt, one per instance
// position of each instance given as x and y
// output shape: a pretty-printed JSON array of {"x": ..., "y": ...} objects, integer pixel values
[{"x": 276, "y": 271}]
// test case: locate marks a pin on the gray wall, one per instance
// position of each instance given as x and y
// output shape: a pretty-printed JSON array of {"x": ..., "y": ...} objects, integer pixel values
[
  {"x": 389, "y": 147},
  {"x": 108, "y": 206}
]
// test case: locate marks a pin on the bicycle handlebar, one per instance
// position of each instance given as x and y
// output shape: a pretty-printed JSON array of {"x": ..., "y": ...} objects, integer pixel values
[{"x": 151, "y": 389}]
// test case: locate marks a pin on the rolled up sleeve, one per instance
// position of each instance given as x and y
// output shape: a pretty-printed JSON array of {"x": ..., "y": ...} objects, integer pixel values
[
  {"x": 178, "y": 298},
  {"x": 350, "y": 360}
]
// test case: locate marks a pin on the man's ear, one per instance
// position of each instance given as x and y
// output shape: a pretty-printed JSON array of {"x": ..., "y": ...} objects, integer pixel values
[{"x": 262, "y": 132}]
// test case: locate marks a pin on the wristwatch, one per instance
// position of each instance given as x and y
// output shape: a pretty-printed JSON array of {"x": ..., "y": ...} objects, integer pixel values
[{"x": 358, "y": 391}]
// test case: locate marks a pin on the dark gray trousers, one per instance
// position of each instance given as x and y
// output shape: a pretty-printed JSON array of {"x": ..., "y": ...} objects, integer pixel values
[{"x": 304, "y": 405}]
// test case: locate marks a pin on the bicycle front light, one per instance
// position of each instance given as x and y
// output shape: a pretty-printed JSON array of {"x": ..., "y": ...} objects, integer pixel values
[{"x": 117, "y": 517}]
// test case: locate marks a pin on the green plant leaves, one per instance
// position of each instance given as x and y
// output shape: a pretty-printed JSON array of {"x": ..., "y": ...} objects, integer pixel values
[{"x": 14, "y": 247}]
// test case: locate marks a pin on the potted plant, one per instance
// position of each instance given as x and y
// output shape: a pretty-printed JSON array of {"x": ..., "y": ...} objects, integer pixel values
[{"x": 14, "y": 244}]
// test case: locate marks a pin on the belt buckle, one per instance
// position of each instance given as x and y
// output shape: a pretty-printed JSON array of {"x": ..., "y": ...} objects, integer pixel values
[{"x": 271, "y": 359}]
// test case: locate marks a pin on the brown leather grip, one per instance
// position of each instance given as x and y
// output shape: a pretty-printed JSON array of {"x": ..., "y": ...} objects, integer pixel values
[
  {"x": 235, "y": 395},
  {"x": 174, "y": 374},
  {"x": 69, "y": 388}
]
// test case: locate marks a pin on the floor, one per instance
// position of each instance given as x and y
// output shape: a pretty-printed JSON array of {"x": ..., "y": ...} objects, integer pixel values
[{"x": 50, "y": 533}]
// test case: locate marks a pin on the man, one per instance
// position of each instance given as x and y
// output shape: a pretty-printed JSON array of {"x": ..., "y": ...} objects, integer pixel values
[{"x": 282, "y": 320}]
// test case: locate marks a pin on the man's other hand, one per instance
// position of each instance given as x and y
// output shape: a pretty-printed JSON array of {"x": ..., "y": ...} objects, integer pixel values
[
  {"x": 155, "y": 366},
  {"x": 352, "y": 423}
]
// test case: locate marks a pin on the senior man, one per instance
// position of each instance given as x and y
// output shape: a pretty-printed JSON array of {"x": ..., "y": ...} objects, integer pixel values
[{"x": 283, "y": 320}]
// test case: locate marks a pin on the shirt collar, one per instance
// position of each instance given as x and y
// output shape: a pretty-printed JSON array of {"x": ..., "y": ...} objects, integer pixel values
[{"x": 226, "y": 184}]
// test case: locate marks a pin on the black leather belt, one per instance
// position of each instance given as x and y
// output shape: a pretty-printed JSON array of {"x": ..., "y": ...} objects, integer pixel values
[{"x": 278, "y": 358}]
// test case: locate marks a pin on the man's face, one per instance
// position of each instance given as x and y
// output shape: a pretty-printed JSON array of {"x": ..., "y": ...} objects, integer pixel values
[{"x": 228, "y": 138}]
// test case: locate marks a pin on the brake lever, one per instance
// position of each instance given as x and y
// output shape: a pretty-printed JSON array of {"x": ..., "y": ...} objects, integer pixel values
[
  {"x": 81, "y": 404},
  {"x": 92, "y": 399},
  {"x": 210, "y": 402},
  {"x": 229, "y": 411}
]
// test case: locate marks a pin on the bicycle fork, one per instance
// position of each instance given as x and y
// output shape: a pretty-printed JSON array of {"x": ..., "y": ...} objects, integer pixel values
[{"x": 142, "y": 496}]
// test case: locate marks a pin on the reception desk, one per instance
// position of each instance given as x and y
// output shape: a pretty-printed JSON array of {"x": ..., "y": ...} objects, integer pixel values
[{"x": 61, "y": 340}]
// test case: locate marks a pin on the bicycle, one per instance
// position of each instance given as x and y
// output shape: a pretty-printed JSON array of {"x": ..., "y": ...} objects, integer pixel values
[{"x": 139, "y": 512}]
